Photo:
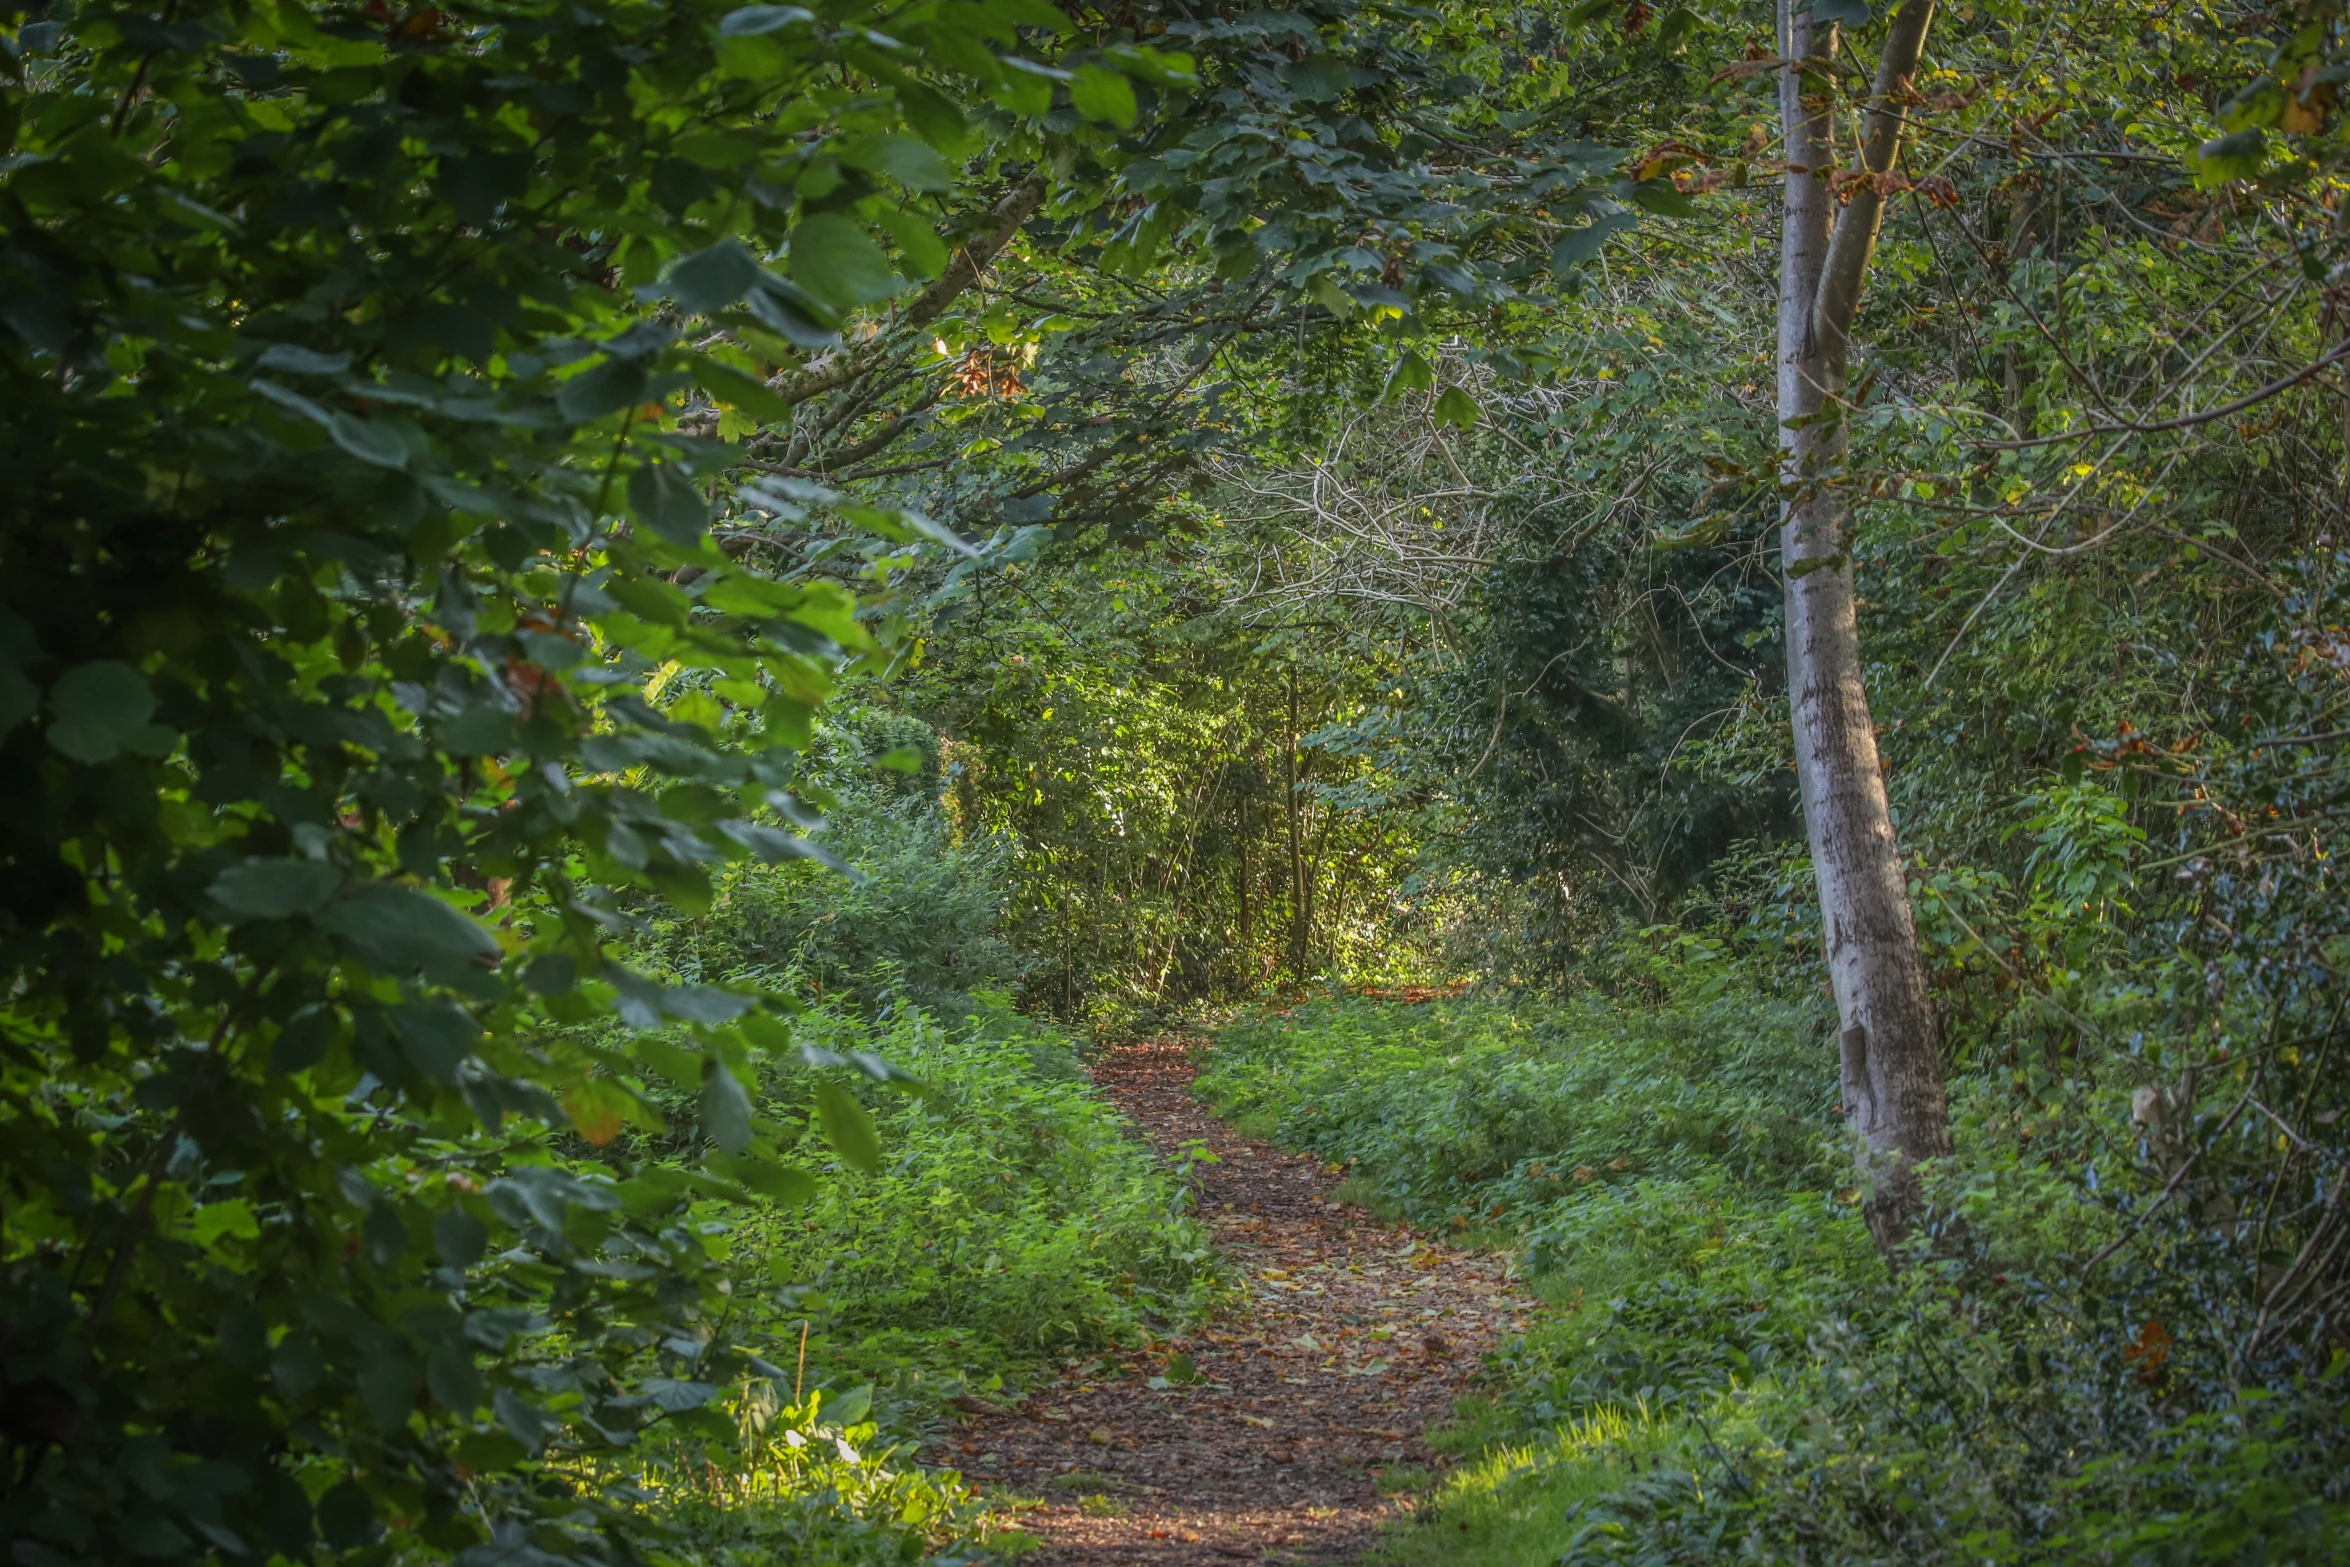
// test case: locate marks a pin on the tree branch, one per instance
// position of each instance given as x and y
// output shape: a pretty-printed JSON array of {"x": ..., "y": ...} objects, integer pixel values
[
  {"x": 1855, "y": 238},
  {"x": 970, "y": 260}
]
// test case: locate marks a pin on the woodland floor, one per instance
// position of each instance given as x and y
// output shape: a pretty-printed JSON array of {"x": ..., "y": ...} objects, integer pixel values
[{"x": 1345, "y": 1339}]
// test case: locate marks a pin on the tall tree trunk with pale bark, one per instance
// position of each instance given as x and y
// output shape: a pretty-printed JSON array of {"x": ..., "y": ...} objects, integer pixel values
[{"x": 1892, "y": 1065}]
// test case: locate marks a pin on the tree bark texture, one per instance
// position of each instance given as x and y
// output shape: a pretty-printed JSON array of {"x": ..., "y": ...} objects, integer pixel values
[{"x": 1891, "y": 1062}]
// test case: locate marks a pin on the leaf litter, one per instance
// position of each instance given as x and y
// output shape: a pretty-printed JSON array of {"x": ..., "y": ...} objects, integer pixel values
[{"x": 1264, "y": 1433}]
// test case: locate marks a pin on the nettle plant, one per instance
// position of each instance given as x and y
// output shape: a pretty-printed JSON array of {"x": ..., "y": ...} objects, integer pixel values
[{"x": 348, "y": 527}]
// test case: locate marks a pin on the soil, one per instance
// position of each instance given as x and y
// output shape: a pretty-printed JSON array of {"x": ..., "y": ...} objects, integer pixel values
[{"x": 1302, "y": 1434}]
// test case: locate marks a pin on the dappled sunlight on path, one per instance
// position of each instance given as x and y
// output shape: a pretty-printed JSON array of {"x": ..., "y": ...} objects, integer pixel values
[{"x": 1348, "y": 1338}]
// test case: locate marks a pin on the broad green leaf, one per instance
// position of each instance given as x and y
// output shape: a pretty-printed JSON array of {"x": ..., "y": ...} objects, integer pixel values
[
  {"x": 267, "y": 888},
  {"x": 779, "y": 1182},
  {"x": 920, "y": 250},
  {"x": 396, "y": 928},
  {"x": 736, "y": 389},
  {"x": 293, "y": 359},
  {"x": 369, "y": 440},
  {"x": 452, "y": 1378},
  {"x": 1583, "y": 244},
  {"x": 726, "y": 1108},
  {"x": 709, "y": 280},
  {"x": 838, "y": 262},
  {"x": 2241, "y": 155},
  {"x": 460, "y": 1238},
  {"x": 1660, "y": 196},
  {"x": 668, "y": 502},
  {"x": 753, "y": 20},
  {"x": 215, "y": 1220},
  {"x": 1410, "y": 372},
  {"x": 102, "y": 710},
  {"x": 847, "y": 1126},
  {"x": 849, "y": 1408},
  {"x": 18, "y": 699},
  {"x": 1456, "y": 408},
  {"x": 909, "y": 162},
  {"x": 605, "y": 388},
  {"x": 1102, "y": 94}
]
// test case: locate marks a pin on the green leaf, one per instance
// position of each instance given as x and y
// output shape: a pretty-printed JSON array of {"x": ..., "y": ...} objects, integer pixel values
[
  {"x": 803, "y": 320},
  {"x": 838, "y": 262},
  {"x": 726, "y": 1108},
  {"x": 666, "y": 501},
  {"x": 1456, "y": 408},
  {"x": 460, "y": 1238},
  {"x": 604, "y": 388},
  {"x": 847, "y": 1409},
  {"x": 275, "y": 889},
  {"x": 782, "y": 1183},
  {"x": 387, "y": 1389},
  {"x": 909, "y": 162},
  {"x": 452, "y": 1378},
  {"x": 707, "y": 281},
  {"x": 1102, "y": 94},
  {"x": 294, "y": 359},
  {"x": 2238, "y": 156},
  {"x": 104, "y": 709},
  {"x": 1318, "y": 77},
  {"x": 920, "y": 251},
  {"x": 18, "y": 698},
  {"x": 1847, "y": 13},
  {"x": 1659, "y": 196},
  {"x": 1409, "y": 373},
  {"x": 847, "y": 1127},
  {"x": 738, "y": 389},
  {"x": 520, "y": 1418},
  {"x": 753, "y": 20},
  {"x": 1583, "y": 244},
  {"x": 346, "y": 1516},
  {"x": 369, "y": 441},
  {"x": 215, "y": 1220},
  {"x": 905, "y": 759},
  {"x": 394, "y": 928}
]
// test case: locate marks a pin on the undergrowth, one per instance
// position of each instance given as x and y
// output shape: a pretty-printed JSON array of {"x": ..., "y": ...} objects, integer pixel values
[
  {"x": 1727, "y": 1369},
  {"x": 1014, "y": 1215},
  {"x": 949, "y": 1204}
]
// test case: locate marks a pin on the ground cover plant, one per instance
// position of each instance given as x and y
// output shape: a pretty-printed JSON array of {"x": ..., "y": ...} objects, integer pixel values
[{"x": 1728, "y": 1364}]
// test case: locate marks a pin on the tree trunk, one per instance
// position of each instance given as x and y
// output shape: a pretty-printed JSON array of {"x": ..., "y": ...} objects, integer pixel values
[
  {"x": 1300, "y": 912},
  {"x": 1892, "y": 1065}
]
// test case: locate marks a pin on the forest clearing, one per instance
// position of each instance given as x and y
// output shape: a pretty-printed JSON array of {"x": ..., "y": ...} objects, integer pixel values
[{"x": 1437, "y": 784}]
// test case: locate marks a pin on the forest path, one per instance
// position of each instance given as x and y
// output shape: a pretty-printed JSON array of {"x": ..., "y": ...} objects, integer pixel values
[{"x": 1347, "y": 1338}]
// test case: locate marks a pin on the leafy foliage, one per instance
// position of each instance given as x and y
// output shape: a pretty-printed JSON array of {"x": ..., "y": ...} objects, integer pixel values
[{"x": 342, "y": 723}]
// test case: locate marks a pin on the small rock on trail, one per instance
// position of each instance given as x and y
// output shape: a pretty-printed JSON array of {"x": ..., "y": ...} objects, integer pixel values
[{"x": 1349, "y": 1337}]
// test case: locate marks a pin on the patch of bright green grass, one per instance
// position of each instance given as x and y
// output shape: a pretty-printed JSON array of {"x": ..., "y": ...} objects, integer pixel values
[{"x": 1515, "y": 1503}]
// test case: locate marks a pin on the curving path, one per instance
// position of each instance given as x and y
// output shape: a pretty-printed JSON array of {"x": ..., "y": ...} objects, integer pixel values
[{"x": 1346, "y": 1339}]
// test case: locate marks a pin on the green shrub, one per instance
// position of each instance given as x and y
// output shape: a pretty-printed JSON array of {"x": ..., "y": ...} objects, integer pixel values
[{"x": 1014, "y": 1212}]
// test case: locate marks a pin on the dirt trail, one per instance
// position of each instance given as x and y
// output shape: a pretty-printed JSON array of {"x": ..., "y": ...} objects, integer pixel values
[{"x": 1350, "y": 1338}]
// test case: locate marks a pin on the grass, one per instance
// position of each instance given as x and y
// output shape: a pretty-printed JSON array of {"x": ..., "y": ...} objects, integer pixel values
[{"x": 1513, "y": 1503}]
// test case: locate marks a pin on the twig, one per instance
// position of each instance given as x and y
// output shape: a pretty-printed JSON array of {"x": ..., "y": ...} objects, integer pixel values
[{"x": 2184, "y": 421}]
